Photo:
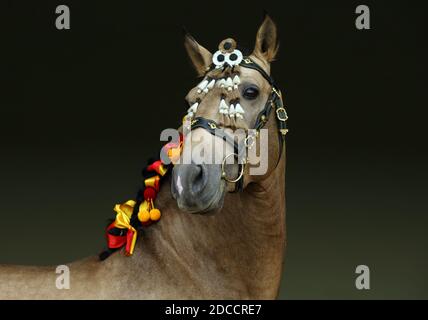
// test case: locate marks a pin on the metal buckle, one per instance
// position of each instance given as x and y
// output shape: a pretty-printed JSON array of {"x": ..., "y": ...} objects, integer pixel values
[
  {"x": 223, "y": 173},
  {"x": 281, "y": 114},
  {"x": 212, "y": 125},
  {"x": 247, "y": 60}
]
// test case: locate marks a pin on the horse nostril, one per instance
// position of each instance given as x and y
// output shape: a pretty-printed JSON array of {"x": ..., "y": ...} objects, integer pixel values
[
  {"x": 190, "y": 178},
  {"x": 197, "y": 187},
  {"x": 199, "y": 178}
]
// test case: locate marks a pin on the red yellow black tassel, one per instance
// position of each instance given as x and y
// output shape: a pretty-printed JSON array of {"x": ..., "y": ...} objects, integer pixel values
[
  {"x": 123, "y": 221},
  {"x": 122, "y": 232}
]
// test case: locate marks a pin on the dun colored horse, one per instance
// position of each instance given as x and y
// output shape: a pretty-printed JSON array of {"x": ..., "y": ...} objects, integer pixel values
[{"x": 234, "y": 252}]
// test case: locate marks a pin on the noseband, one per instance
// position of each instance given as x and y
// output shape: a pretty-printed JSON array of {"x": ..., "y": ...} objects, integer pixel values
[{"x": 274, "y": 102}]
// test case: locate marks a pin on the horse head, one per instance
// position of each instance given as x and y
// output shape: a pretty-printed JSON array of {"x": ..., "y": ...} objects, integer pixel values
[{"x": 226, "y": 112}]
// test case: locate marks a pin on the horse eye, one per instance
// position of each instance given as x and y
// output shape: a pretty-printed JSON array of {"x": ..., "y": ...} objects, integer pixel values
[{"x": 251, "y": 93}]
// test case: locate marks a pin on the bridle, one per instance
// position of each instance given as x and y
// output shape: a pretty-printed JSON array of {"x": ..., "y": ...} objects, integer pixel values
[
  {"x": 274, "y": 102},
  {"x": 133, "y": 214}
]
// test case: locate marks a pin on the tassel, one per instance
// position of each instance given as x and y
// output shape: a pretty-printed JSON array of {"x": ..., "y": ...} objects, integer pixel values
[
  {"x": 223, "y": 108},
  {"x": 211, "y": 84},
  {"x": 193, "y": 108},
  {"x": 229, "y": 84},
  {"x": 236, "y": 82},
  {"x": 232, "y": 111},
  {"x": 221, "y": 83},
  {"x": 239, "y": 111},
  {"x": 202, "y": 85}
]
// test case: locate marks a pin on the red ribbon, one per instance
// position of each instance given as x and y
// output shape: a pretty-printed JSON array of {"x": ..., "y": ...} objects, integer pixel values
[
  {"x": 114, "y": 242},
  {"x": 129, "y": 236}
]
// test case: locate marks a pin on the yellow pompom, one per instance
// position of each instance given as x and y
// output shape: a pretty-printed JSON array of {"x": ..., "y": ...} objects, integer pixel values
[
  {"x": 144, "y": 216},
  {"x": 155, "y": 214}
]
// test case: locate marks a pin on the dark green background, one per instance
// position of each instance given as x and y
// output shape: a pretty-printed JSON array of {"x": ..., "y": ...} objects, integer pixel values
[{"x": 82, "y": 109}]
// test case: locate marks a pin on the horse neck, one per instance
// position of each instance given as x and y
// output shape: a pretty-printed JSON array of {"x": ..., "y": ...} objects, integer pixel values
[{"x": 244, "y": 241}]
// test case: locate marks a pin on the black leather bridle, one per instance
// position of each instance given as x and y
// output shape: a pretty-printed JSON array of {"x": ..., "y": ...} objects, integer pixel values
[{"x": 274, "y": 101}]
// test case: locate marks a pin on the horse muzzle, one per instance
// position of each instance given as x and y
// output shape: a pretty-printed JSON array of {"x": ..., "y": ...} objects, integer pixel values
[{"x": 198, "y": 188}]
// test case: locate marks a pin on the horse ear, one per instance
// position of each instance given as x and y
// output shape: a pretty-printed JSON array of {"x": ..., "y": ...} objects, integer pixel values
[
  {"x": 201, "y": 58},
  {"x": 266, "y": 40}
]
